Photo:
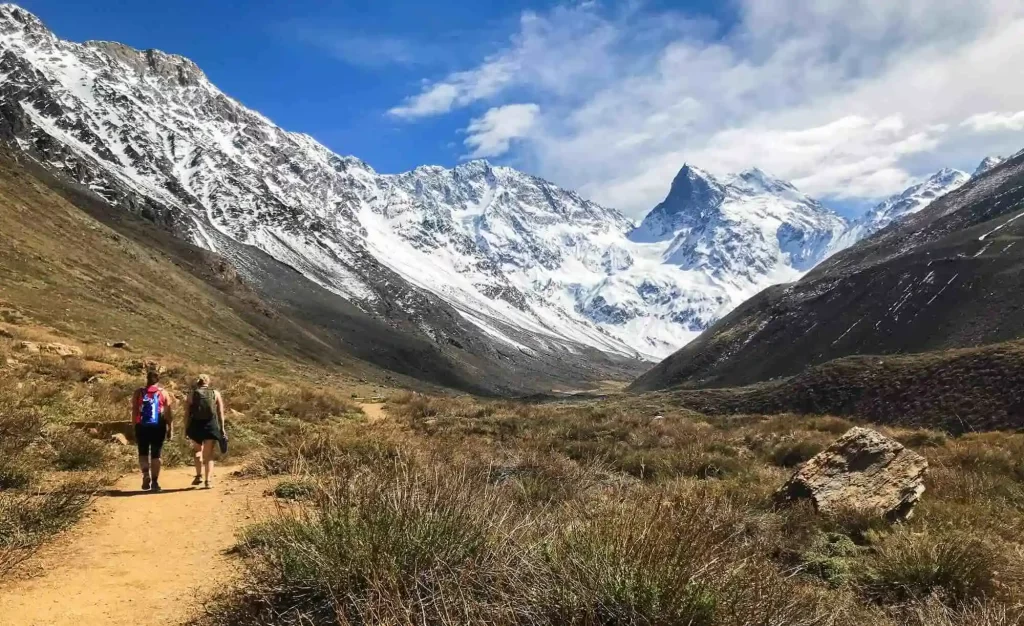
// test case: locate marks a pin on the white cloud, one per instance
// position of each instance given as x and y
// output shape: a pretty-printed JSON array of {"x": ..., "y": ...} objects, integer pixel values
[
  {"x": 458, "y": 90},
  {"x": 491, "y": 135},
  {"x": 995, "y": 122},
  {"x": 848, "y": 98},
  {"x": 361, "y": 49}
]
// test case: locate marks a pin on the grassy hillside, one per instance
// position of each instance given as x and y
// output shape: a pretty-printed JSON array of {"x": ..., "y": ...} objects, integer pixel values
[
  {"x": 973, "y": 389},
  {"x": 118, "y": 278}
]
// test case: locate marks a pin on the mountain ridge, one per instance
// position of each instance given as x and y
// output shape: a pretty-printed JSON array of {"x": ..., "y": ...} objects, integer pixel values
[
  {"x": 947, "y": 276},
  {"x": 533, "y": 268}
]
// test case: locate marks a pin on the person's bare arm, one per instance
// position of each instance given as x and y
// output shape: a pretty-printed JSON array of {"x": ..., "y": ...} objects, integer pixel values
[
  {"x": 169, "y": 414},
  {"x": 188, "y": 410},
  {"x": 220, "y": 414}
]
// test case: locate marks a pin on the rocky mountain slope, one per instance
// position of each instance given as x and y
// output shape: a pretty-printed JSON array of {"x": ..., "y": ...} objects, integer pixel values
[
  {"x": 947, "y": 276},
  {"x": 481, "y": 261},
  {"x": 914, "y": 199}
]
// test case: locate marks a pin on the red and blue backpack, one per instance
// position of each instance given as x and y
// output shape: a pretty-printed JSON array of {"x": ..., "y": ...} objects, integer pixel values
[{"x": 151, "y": 407}]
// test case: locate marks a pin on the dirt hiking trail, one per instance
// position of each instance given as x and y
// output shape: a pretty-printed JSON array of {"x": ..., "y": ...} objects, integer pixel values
[
  {"x": 374, "y": 410},
  {"x": 137, "y": 558}
]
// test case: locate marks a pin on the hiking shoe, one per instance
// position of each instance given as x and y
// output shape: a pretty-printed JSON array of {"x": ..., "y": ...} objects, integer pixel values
[
  {"x": 207, "y": 484},
  {"x": 198, "y": 480},
  {"x": 156, "y": 487},
  {"x": 146, "y": 482}
]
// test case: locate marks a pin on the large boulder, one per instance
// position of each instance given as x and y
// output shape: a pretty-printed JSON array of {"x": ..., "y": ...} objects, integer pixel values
[{"x": 863, "y": 471}]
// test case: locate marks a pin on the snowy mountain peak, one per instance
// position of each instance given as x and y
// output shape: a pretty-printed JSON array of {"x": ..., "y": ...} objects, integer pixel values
[
  {"x": 13, "y": 15},
  {"x": 987, "y": 164},
  {"x": 912, "y": 200},
  {"x": 693, "y": 196}
]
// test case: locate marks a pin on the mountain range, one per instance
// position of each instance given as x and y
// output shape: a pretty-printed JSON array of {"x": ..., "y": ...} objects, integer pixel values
[
  {"x": 495, "y": 270},
  {"x": 945, "y": 277}
]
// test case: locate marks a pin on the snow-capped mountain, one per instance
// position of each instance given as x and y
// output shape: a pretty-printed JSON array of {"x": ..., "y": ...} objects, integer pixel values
[
  {"x": 528, "y": 266},
  {"x": 987, "y": 164},
  {"x": 911, "y": 201}
]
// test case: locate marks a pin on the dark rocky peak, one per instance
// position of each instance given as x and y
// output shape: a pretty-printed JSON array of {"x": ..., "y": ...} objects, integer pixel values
[
  {"x": 986, "y": 164},
  {"x": 14, "y": 17},
  {"x": 172, "y": 68},
  {"x": 693, "y": 188},
  {"x": 695, "y": 195}
]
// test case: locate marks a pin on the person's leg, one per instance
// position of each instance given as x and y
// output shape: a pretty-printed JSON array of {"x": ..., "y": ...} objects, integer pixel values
[
  {"x": 208, "y": 460},
  {"x": 155, "y": 449},
  {"x": 142, "y": 443},
  {"x": 197, "y": 460}
]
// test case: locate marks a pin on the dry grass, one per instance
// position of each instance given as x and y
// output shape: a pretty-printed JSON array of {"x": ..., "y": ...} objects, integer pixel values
[{"x": 457, "y": 510}]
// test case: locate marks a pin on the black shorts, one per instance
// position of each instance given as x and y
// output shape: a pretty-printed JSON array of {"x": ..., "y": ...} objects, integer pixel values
[{"x": 150, "y": 439}]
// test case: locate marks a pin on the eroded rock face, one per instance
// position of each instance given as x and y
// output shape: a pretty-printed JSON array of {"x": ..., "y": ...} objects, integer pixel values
[
  {"x": 57, "y": 349},
  {"x": 863, "y": 471}
]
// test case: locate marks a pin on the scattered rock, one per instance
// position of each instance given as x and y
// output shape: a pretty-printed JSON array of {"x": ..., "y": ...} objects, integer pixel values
[
  {"x": 864, "y": 471},
  {"x": 6, "y": 334},
  {"x": 119, "y": 439},
  {"x": 30, "y": 347},
  {"x": 120, "y": 345},
  {"x": 658, "y": 417},
  {"x": 57, "y": 349},
  {"x": 107, "y": 430}
]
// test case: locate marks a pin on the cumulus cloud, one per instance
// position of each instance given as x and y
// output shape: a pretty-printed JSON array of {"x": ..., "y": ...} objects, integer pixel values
[
  {"x": 848, "y": 98},
  {"x": 995, "y": 122},
  {"x": 491, "y": 135}
]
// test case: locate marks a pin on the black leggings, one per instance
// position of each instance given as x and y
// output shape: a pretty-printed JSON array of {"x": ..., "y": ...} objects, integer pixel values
[{"x": 150, "y": 439}]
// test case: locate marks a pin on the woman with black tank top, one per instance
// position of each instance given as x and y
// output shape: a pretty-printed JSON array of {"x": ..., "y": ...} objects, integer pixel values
[{"x": 204, "y": 426}]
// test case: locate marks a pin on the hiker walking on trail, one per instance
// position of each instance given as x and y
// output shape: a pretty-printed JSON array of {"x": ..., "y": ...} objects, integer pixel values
[
  {"x": 151, "y": 414},
  {"x": 204, "y": 426}
]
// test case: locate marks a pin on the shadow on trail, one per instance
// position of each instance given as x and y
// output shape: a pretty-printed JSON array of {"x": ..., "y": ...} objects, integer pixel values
[{"x": 120, "y": 493}]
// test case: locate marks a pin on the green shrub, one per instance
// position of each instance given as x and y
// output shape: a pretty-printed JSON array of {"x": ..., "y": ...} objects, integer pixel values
[
  {"x": 795, "y": 452},
  {"x": 909, "y": 566},
  {"x": 75, "y": 451},
  {"x": 16, "y": 472},
  {"x": 830, "y": 557},
  {"x": 27, "y": 518},
  {"x": 294, "y": 490},
  {"x": 385, "y": 549},
  {"x": 923, "y": 439}
]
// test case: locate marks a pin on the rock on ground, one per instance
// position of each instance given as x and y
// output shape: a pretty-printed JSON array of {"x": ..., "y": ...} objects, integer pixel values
[
  {"x": 108, "y": 430},
  {"x": 58, "y": 349},
  {"x": 863, "y": 471}
]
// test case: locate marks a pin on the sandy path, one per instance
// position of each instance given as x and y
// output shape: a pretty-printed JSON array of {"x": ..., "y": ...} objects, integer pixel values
[
  {"x": 374, "y": 411},
  {"x": 138, "y": 558}
]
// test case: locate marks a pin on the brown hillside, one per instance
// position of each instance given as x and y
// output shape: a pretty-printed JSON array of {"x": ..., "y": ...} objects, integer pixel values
[{"x": 972, "y": 389}]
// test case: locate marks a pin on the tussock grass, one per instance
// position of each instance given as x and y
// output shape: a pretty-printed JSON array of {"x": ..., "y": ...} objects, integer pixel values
[
  {"x": 27, "y": 518},
  {"x": 622, "y": 511}
]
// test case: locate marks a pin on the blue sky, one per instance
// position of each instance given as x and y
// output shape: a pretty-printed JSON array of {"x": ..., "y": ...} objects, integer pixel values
[{"x": 851, "y": 99}]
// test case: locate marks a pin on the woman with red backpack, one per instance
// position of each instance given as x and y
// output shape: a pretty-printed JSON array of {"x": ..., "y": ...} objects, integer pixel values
[{"x": 151, "y": 414}]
